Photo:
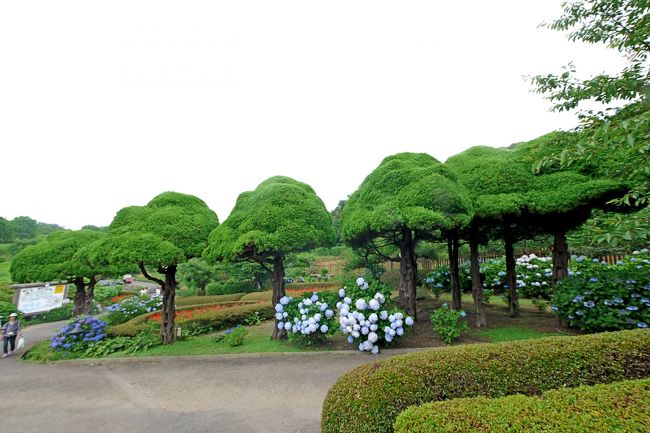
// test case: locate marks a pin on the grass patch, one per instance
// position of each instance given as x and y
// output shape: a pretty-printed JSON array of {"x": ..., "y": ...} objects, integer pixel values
[
  {"x": 512, "y": 333},
  {"x": 258, "y": 340}
]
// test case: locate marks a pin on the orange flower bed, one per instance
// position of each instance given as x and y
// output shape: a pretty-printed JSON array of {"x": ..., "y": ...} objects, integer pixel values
[
  {"x": 194, "y": 313},
  {"x": 118, "y": 298}
]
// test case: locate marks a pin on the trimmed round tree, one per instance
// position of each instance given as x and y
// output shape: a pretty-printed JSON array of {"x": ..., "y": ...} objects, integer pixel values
[
  {"x": 171, "y": 229},
  {"x": 54, "y": 258},
  {"x": 498, "y": 183},
  {"x": 281, "y": 216},
  {"x": 407, "y": 198}
]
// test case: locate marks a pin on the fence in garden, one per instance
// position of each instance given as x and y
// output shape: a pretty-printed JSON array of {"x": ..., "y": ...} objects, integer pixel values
[{"x": 337, "y": 266}]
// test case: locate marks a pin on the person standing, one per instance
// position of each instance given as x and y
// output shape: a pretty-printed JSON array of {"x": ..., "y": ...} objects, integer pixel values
[{"x": 9, "y": 334}]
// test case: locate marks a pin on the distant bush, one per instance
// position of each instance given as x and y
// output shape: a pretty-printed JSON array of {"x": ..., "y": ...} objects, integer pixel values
[
  {"x": 200, "y": 300},
  {"x": 619, "y": 407},
  {"x": 103, "y": 294},
  {"x": 227, "y": 288},
  {"x": 369, "y": 398},
  {"x": 62, "y": 313},
  {"x": 448, "y": 323}
]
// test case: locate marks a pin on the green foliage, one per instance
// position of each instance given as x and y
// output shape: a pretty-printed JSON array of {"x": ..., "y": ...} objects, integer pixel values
[
  {"x": 448, "y": 323},
  {"x": 53, "y": 258},
  {"x": 5, "y": 231},
  {"x": 619, "y": 407},
  {"x": 411, "y": 190},
  {"x": 370, "y": 397},
  {"x": 197, "y": 273},
  {"x": 103, "y": 294},
  {"x": 220, "y": 319},
  {"x": 281, "y": 216},
  {"x": 143, "y": 340},
  {"x": 253, "y": 319},
  {"x": 204, "y": 300},
  {"x": 232, "y": 287},
  {"x": 54, "y": 315},
  {"x": 23, "y": 227},
  {"x": 6, "y": 308},
  {"x": 602, "y": 297},
  {"x": 623, "y": 25},
  {"x": 236, "y": 337},
  {"x": 541, "y": 304},
  {"x": 612, "y": 233}
]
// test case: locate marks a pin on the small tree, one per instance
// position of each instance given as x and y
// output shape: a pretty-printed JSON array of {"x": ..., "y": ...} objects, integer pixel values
[
  {"x": 171, "y": 229},
  {"x": 409, "y": 197},
  {"x": 54, "y": 258},
  {"x": 281, "y": 216},
  {"x": 197, "y": 273}
]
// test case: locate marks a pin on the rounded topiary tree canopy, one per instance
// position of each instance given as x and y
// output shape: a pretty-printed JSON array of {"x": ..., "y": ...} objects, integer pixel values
[
  {"x": 170, "y": 229},
  {"x": 405, "y": 199},
  {"x": 54, "y": 258},
  {"x": 281, "y": 216}
]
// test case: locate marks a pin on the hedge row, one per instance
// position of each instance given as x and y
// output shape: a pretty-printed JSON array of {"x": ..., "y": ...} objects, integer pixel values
[
  {"x": 202, "y": 300},
  {"x": 217, "y": 319},
  {"x": 618, "y": 407},
  {"x": 370, "y": 397},
  {"x": 316, "y": 286}
]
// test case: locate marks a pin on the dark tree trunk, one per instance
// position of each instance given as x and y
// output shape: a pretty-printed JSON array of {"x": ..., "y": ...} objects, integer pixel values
[
  {"x": 90, "y": 295},
  {"x": 79, "y": 297},
  {"x": 408, "y": 273},
  {"x": 454, "y": 271},
  {"x": 560, "y": 258},
  {"x": 168, "y": 291},
  {"x": 168, "y": 325},
  {"x": 201, "y": 290},
  {"x": 277, "y": 283},
  {"x": 511, "y": 275},
  {"x": 477, "y": 287}
]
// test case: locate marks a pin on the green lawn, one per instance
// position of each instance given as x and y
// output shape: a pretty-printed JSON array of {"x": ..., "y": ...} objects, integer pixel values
[
  {"x": 511, "y": 333},
  {"x": 257, "y": 341}
]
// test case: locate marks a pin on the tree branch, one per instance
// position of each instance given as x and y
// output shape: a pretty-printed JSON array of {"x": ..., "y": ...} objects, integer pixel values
[{"x": 149, "y": 277}]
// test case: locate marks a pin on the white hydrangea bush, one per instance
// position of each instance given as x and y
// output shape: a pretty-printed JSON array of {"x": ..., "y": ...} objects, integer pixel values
[
  {"x": 309, "y": 318},
  {"x": 366, "y": 317}
]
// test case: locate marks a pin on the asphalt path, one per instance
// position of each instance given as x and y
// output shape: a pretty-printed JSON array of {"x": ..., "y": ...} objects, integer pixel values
[{"x": 230, "y": 393}]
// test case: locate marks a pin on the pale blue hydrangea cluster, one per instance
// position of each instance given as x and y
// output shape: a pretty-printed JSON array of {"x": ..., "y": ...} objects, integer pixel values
[
  {"x": 366, "y": 322},
  {"x": 308, "y": 316},
  {"x": 134, "y": 306}
]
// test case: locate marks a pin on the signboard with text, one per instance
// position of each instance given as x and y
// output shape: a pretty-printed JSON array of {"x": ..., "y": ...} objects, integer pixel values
[{"x": 39, "y": 299}]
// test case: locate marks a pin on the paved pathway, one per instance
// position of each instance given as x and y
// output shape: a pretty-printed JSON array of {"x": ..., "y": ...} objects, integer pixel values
[{"x": 218, "y": 394}]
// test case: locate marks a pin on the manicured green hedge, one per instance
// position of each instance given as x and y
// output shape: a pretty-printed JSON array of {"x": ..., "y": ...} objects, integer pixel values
[
  {"x": 257, "y": 296},
  {"x": 216, "y": 319},
  {"x": 322, "y": 285},
  {"x": 618, "y": 407},
  {"x": 370, "y": 397},
  {"x": 202, "y": 300}
]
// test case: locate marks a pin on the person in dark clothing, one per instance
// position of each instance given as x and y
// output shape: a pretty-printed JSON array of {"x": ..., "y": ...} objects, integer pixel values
[{"x": 9, "y": 334}]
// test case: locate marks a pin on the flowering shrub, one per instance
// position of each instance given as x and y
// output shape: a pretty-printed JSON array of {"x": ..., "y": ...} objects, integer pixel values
[
  {"x": 310, "y": 318},
  {"x": 602, "y": 297},
  {"x": 534, "y": 276},
  {"x": 438, "y": 280},
  {"x": 134, "y": 306},
  {"x": 77, "y": 335},
  {"x": 365, "y": 318},
  {"x": 448, "y": 323}
]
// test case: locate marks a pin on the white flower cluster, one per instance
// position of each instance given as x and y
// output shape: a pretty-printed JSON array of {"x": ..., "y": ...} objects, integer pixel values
[
  {"x": 362, "y": 321},
  {"x": 310, "y": 316}
]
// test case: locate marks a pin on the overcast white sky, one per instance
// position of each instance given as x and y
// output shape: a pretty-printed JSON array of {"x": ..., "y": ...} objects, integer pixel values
[{"x": 107, "y": 104}]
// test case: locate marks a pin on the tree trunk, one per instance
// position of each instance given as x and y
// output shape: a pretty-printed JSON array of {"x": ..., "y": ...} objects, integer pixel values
[
  {"x": 90, "y": 295},
  {"x": 477, "y": 287},
  {"x": 511, "y": 275},
  {"x": 454, "y": 271},
  {"x": 201, "y": 290},
  {"x": 79, "y": 297},
  {"x": 168, "y": 325},
  {"x": 560, "y": 258},
  {"x": 408, "y": 272},
  {"x": 277, "y": 283}
]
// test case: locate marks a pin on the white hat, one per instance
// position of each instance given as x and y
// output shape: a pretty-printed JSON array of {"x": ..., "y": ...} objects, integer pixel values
[{"x": 13, "y": 315}]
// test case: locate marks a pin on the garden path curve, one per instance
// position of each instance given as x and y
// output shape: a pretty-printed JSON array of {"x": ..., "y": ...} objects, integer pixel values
[{"x": 252, "y": 393}]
